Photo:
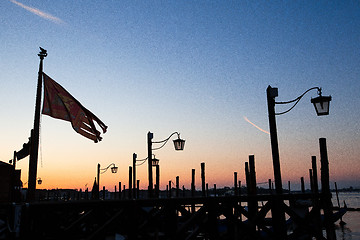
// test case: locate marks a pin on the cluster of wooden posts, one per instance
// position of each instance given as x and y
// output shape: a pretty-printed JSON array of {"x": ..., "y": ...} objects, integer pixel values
[{"x": 188, "y": 214}]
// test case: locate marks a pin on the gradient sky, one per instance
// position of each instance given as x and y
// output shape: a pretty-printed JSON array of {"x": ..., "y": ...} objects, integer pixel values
[{"x": 197, "y": 67}]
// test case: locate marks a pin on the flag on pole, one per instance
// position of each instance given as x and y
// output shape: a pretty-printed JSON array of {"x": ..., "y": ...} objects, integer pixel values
[{"x": 59, "y": 103}]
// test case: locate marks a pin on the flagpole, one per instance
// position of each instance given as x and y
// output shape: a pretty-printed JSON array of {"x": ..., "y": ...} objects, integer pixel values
[{"x": 35, "y": 136}]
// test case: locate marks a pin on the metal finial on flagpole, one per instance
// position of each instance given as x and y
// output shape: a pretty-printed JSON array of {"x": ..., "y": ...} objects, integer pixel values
[{"x": 43, "y": 53}]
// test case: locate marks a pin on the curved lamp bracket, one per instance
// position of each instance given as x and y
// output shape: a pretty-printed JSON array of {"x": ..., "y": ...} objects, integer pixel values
[
  {"x": 318, "y": 102},
  {"x": 113, "y": 168},
  {"x": 178, "y": 143}
]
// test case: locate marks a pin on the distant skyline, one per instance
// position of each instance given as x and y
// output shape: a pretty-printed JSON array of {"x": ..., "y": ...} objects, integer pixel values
[{"x": 199, "y": 68}]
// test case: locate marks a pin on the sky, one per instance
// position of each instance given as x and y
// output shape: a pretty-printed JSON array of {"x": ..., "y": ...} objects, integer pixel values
[{"x": 200, "y": 68}]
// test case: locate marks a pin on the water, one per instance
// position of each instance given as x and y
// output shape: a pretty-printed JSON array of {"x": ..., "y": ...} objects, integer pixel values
[{"x": 351, "y": 231}]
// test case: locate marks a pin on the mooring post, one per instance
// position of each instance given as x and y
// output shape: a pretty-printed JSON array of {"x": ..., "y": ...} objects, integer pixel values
[
  {"x": 239, "y": 188},
  {"x": 314, "y": 171},
  {"x": 103, "y": 192},
  {"x": 252, "y": 174},
  {"x": 316, "y": 200},
  {"x": 253, "y": 204},
  {"x": 115, "y": 195},
  {"x": 302, "y": 185},
  {"x": 119, "y": 190},
  {"x": 170, "y": 189},
  {"x": 270, "y": 189},
  {"x": 177, "y": 186},
  {"x": 130, "y": 182},
  {"x": 207, "y": 189},
  {"x": 193, "y": 189},
  {"x": 203, "y": 179},
  {"x": 157, "y": 169},
  {"x": 247, "y": 177},
  {"x": 326, "y": 195},
  {"x": 311, "y": 178},
  {"x": 289, "y": 186},
  {"x": 192, "y": 182},
  {"x": 235, "y": 184},
  {"x": 183, "y": 189},
  {"x": 137, "y": 188},
  {"x": 87, "y": 194},
  {"x": 215, "y": 190}
]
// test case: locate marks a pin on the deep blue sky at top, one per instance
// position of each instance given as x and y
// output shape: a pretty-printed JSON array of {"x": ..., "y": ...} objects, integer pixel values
[{"x": 197, "y": 67}]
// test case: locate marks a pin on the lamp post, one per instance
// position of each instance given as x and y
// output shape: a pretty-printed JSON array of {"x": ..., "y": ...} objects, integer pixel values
[
  {"x": 155, "y": 162},
  {"x": 103, "y": 170},
  {"x": 321, "y": 104},
  {"x": 178, "y": 144}
]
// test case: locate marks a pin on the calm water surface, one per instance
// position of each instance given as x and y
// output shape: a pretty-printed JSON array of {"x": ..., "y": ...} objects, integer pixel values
[{"x": 351, "y": 231}]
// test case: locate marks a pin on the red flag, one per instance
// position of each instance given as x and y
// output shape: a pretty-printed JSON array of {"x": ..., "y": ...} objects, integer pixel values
[{"x": 58, "y": 103}]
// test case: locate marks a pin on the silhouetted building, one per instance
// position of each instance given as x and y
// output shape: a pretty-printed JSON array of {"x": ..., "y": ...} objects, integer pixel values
[{"x": 10, "y": 183}]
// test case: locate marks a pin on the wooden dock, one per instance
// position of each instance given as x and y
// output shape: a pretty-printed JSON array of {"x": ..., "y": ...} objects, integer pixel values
[{"x": 239, "y": 215}]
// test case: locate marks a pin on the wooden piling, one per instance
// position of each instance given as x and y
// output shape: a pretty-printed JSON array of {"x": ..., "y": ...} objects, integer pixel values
[
  {"x": 177, "y": 186},
  {"x": 302, "y": 185},
  {"x": 192, "y": 188},
  {"x": 192, "y": 182},
  {"x": 247, "y": 177},
  {"x": 253, "y": 203},
  {"x": 289, "y": 186},
  {"x": 239, "y": 188},
  {"x": 311, "y": 178},
  {"x": 252, "y": 174},
  {"x": 325, "y": 188},
  {"x": 137, "y": 188},
  {"x": 214, "y": 190},
  {"x": 270, "y": 186},
  {"x": 203, "y": 179},
  {"x": 235, "y": 184},
  {"x": 115, "y": 195},
  {"x": 315, "y": 177},
  {"x": 119, "y": 190},
  {"x": 157, "y": 167},
  {"x": 130, "y": 182},
  {"x": 170, "y": 189}
]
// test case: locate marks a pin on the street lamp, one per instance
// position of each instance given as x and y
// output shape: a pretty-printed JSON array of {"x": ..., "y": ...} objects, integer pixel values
[
  {"x": 178, "y": 144},
  {"x": 321, "y": 104},
  {"x": 155, "y": 161},
  {"x": 103, "y": 170}
]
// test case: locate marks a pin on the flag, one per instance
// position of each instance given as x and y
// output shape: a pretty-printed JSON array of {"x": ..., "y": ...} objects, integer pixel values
[{"x": 59, "y": 103}]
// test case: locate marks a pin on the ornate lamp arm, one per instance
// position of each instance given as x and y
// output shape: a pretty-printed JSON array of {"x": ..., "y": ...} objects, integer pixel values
[
  {"x": 105, "y": 169},
  {"x": 142, "y": 161},
  {"x": 166, "y": 140},
  {"x": 296, "y": 100}
]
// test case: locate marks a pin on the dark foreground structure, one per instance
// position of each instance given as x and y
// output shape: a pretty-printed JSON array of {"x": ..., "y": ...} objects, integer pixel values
[
  {"x": 227, "y": 217},
  {"x": 235, "y": 215}
]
